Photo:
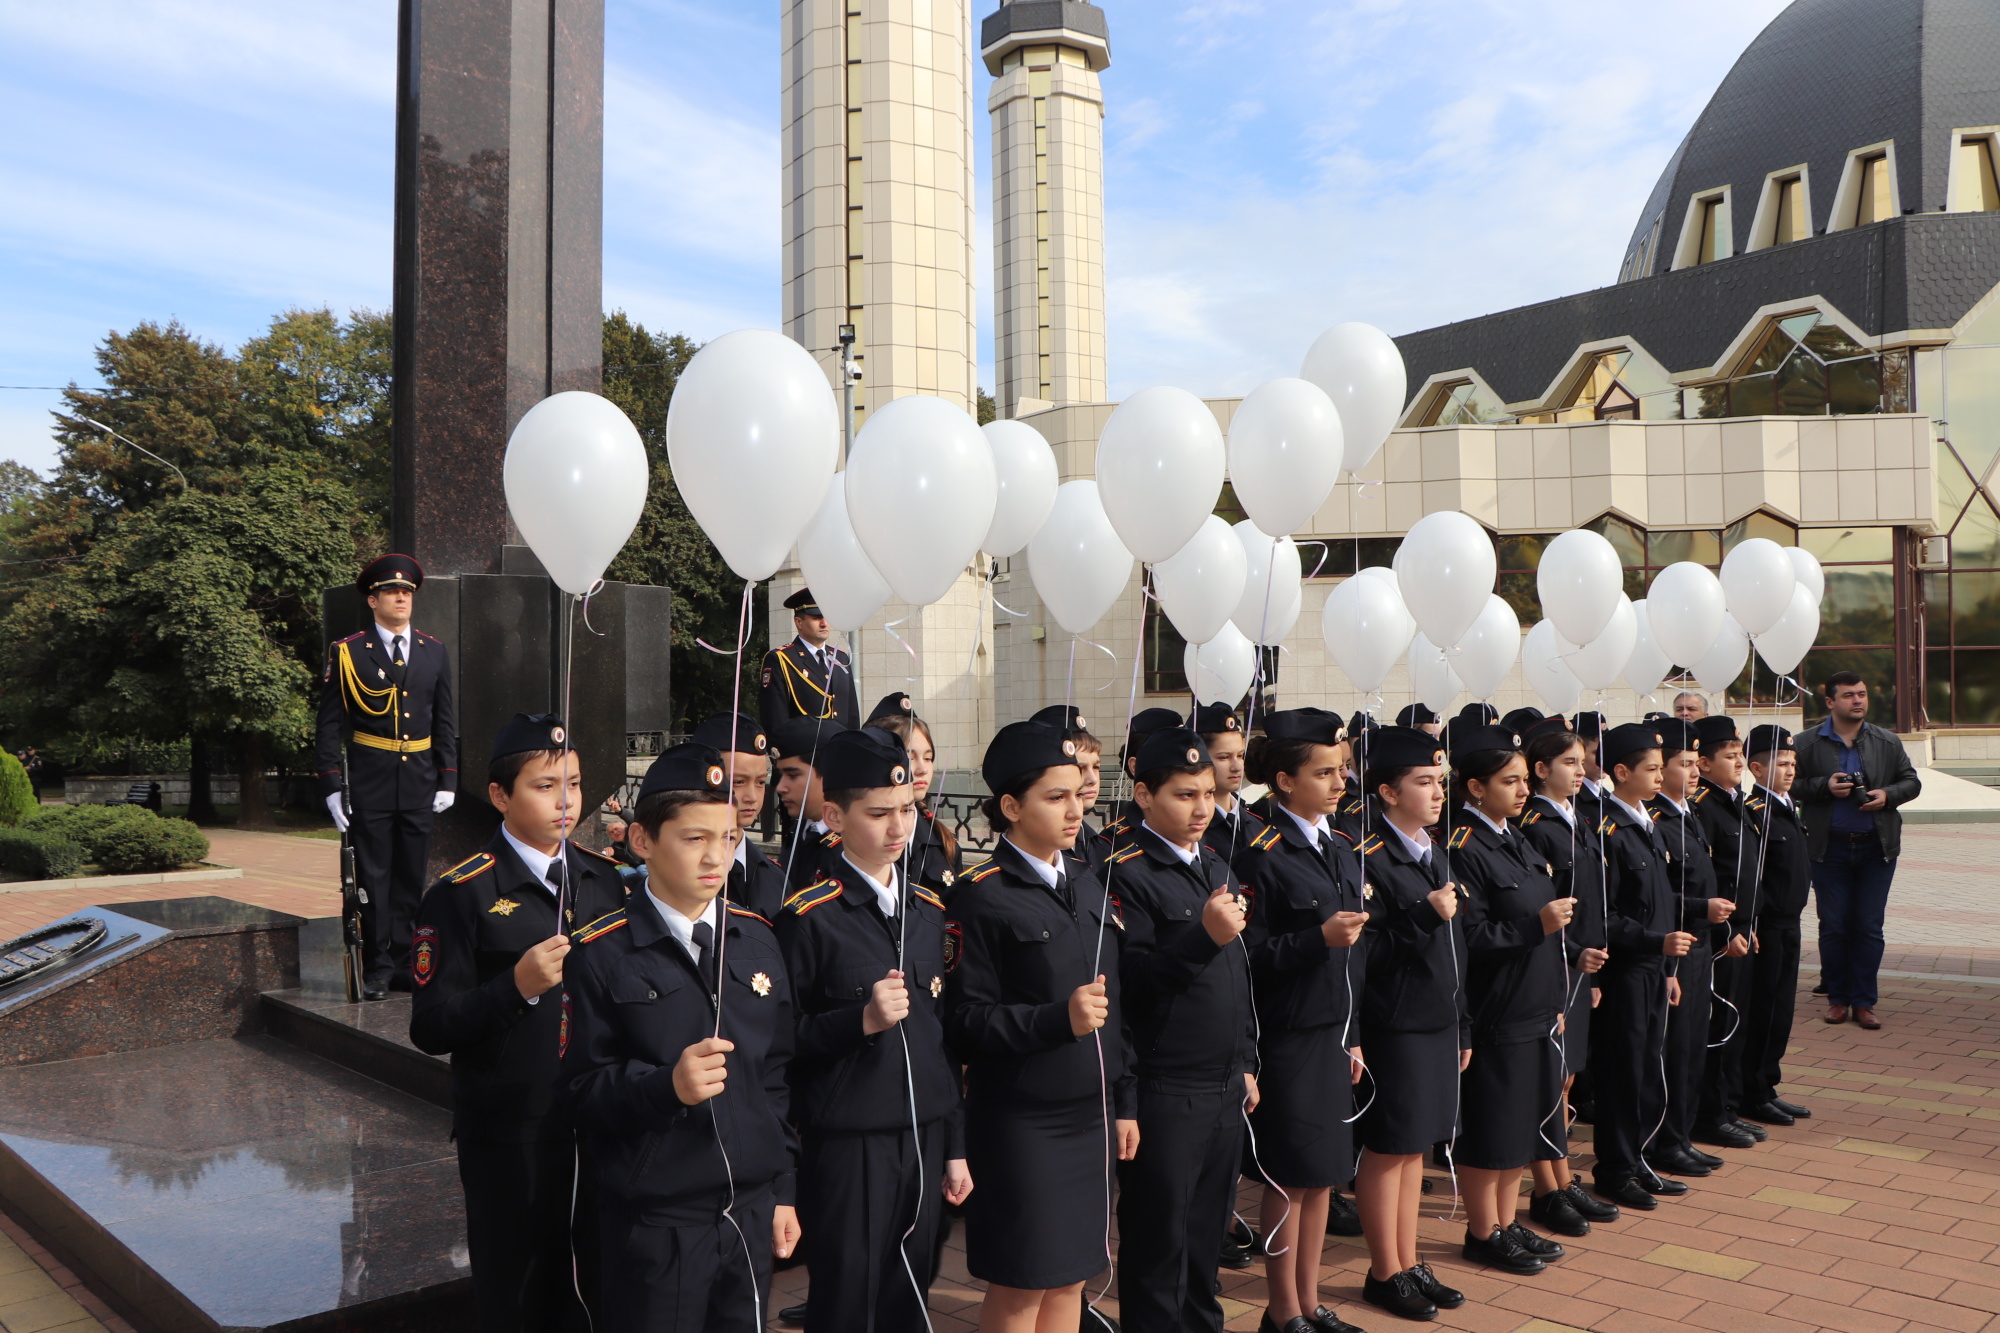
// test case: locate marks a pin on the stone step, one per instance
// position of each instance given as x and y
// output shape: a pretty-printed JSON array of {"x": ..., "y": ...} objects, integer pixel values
[{"x": 371, "y": 1038}]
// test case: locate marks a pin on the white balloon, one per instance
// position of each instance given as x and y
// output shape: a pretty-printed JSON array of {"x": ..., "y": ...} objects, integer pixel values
[
  {"x": 921, "y": 492},
  {"x": 1361, "y": 370},
  {"x": 1718, "y": 668},
  {"x": 1200, "y": 584},
  {"x": 1284, "y": 453},
  {"x": 1366, "y": 630},
  {"x": 1268, "y": 618},
  {"x": 1025, "y": 467},
  {"x": 575, "y": 477},
  {"x": 1079, "y": 566},
  {"x": 1648, "y": 665},
  {"x": 1785, "y": 644},
  {"x": 1160, "y": 465},
  {"x": 1542, "y": 663},
  {"x": 1685, "y": 610},
  {"x": 1222, "y": 670},
  {"x": 1757, "y": 582},
  {"x": 1598, "y": 663},
  {"x": 1384, "y": 574},
  {"x": 1579, "y": 580},
  {"x": 847, "y": 587},
  {"x": 753, "y": 437},
  {"x": 1489, "y": 649},
  {"x": 1807, "y": 567},
  {"x": 1445, "y": 570},
  {"x": 1432, "y": 679}
]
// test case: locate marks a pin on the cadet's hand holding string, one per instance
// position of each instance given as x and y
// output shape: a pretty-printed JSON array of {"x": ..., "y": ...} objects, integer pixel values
[
  {"x": 701, "y": 1070},
  {"x": 888, "y": 1004},
  {"x": 1557, "y": 914},
  {"x": 1223, "y": 916},
  {"x": 1089, "y": 1010},
  {"x": 1444, "y": 901},
  {"x": 1342, "y": 929},
  {"x": 539, "y": 970}
]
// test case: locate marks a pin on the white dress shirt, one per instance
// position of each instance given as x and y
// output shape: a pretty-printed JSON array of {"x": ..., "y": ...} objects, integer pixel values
[{"x": 682, "y": 927}]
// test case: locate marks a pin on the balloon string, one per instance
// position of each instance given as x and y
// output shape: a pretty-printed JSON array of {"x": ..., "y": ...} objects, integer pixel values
[
  {"x": 589, "y": 593},
  {"x": 1326, "y": 552},
  {"x": 1004, "y": 607},
  {"x": 1075, "y": 639},
  {"x": 916, "y": 659}
]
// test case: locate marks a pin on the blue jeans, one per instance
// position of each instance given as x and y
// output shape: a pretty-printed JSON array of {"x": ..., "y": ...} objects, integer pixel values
[{"x": 1851, "y": 889}]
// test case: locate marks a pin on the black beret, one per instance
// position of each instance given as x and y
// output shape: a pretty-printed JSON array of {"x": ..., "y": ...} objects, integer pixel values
[
  {"x": 892, "y": 705},
  {"x": 1063, "y": 717},
  {"x": 799, "y": 737},
  {"x": 1520, "y": 719},
  {"x": 1472, "y": 740},
  {"x": 1717, "y": 732},
  {"x": 1176, "y": 747},
  {"x": 870, "y": 757},
  {"x": 1415, "y": 715},
  {"x": 1147, "y": 721},
  {"x": 1548, "y": 726},
  {"x": 1589, "y": 725},
  {"x": 1615, "y": 745},
  {"x": 1024, "y": 747},
  {"x": 1765, "y": 738},
  {"x": 1360, "y": 722},
  {"x": 1654, "y": 716},
  {"x": 1676, "y": 734},
  {"x": 529, "y": 732},
  {"x": 390, "y": 571},
  {"x": 1404, "y": 747},
  {"x": 1213, "y": 719},
  {"x": 688, "y": 767},
  {"x": 1305, "y": 724},
  {"x": 802, "y": 602},
  {"x": 732, "y": 731},
  {"x": 1479, "y": 714}
]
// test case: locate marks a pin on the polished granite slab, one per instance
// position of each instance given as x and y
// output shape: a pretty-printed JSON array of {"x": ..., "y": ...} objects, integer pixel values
[{"x": 241, "y": 1184}]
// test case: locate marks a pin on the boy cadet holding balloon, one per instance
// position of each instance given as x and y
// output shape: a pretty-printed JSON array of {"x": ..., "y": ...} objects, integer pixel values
[{"x": 796, "y": 742}]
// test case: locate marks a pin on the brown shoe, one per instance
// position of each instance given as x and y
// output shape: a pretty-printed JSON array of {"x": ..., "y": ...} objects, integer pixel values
[
  {"x": 1836, "y": 1013},
  {"x": 1866, "y": 1018}
]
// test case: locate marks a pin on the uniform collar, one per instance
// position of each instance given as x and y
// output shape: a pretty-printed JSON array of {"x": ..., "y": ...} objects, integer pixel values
[
  {"x": 1399, "y": 845},
  {"x": 1166, "y": 852},
  {"x": 1026, "y": 866},
  {"x": 535, "y": 863},
  {"x": 1499, "y": 831},
  {"x": 1299, "y": 831},
  {"x": 667, "y": 921},
  {"x": 1563, "y": 810},
  {"x": 887, "y": 897}
]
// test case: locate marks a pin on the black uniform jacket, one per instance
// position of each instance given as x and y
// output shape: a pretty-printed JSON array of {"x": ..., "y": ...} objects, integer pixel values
[
  {"x": 1721, "y": 814},
  {"x": 1351, "y": 819},
  {"x": 1416, "y": 959},
  {"x": 1787, "y": 877},
  {"x": 1187, "y": 998},
  {"x": 1643, "y": 908},
  {"x": 927, "y": 861},
  {"x": 472, "y": 927},
  {"x": 1301, "y": 981},
  {"x": 359, "y": 693},
  {"x": 837, "y": 945},
  {"x": 1016, "y": 950},
  {"x": 1516, "y": 982},
  {"x": 1575, "y": 854},
  {"x": 794, "y": 684},
  {"x": 636, "y": 1003},
  {"x": 1690, "y": 870},
  {"x": 1591, "y": 801},
  {"x": 1229, "y": 836},
  {"x": 758, "y": 883},
  {"x": 808, "y": 857}
]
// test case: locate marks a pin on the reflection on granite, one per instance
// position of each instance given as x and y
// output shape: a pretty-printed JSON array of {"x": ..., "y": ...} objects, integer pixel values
[
  {"x": 207, "y": 914},
  {"x": 263, "y": 1184}
]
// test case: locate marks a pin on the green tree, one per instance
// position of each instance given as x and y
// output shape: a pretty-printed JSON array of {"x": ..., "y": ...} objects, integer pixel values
[
  {"x": 986, "y": 409},
  {"x": 319, "y": 389},
  {"x": 18, "y": 484}
]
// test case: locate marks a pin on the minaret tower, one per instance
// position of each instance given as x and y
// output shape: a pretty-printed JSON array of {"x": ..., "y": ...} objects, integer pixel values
[{"x": 1048, "y": 200}]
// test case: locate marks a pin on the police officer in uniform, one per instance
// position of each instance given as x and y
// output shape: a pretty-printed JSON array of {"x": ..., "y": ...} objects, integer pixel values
[
  {"x": 488, "y": 961},
  {"x": 389, "y": 688},
  {"x": 808, "y": 677}
]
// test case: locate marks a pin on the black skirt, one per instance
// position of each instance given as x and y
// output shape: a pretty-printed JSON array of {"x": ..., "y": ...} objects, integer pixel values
[
  {"x": 1301, "y": 1136},
  {"x": 1576, "y": 1030},
  {"x": 1413, "y": 1079},
  {"x": 1511, "y": 1106},
  {"x": 1038, "y": 1213}
]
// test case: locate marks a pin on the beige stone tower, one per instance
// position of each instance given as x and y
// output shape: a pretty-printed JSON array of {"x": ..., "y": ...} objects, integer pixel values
[{"x": 1048, "y": 201}]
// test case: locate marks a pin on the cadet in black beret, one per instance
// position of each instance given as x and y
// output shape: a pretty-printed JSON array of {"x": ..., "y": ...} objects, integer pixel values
[
  {"x": 1068, "y": 720},
  {"x": 933, "y": 858},
  {"x": 1229, "y": 833},
  {"x": 755, "y": 880},
  {"x": 1590, "y": 728},
  {"x": 1479, "y": 714},
  {"x": 892, "y": 705},
  {"x": 807, "y": 677},
  {"x": 488, "y": 957},
  {"x": 1042, "y": 1035},
  {"x": 1775, "y": 827},
  {"x": 877, "y": 1092},
  {"x": 1718, "y": 804},
  {"x": 1420, "y": 716},
  {"x": 1144, "y": 723},
  {"x": 797, "y": 743},
  {"x": 1520, "y": 719}
]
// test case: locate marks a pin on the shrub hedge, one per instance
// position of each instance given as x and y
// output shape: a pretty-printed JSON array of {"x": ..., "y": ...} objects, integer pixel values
[{"x": 38, "y": 855}]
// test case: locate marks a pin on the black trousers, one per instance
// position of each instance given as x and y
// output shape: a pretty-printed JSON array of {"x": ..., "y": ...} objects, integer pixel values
[
  {"x": 1774, "y": 995},
  {"x": 660, "y": 1278},
  {"x": 391, "y": 850},
  {"x": 1728, "y": 1034},
  {"x": 517, "y": 1228},
  {"x": 1174, "y": 1201},
  {"x": 1628, "y": 1036},
  {"x": 1687, "y": 1047},
  {"x": 858, "y": 1195}
]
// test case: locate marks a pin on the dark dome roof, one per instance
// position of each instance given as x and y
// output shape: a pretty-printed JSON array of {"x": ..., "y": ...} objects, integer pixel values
[{"x": 1825, "y": 78}]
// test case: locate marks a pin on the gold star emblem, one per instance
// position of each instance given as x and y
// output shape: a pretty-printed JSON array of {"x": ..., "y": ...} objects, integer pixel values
[
  {"x": 937, "y": 987},
  {"x": 503, "y": 907},
  {"x": 760, "y": 983}
]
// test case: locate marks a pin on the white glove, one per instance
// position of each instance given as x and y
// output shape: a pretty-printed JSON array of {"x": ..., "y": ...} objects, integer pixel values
[
  {"x": 339, "y": 815},
  {"x": 442, "y": 801}
]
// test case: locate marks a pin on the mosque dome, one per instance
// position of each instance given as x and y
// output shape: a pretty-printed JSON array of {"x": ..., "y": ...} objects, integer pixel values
[{"x": 1839, "y": 114}]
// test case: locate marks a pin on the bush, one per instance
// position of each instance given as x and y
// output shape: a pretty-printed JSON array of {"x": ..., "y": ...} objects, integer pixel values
[
  {"x": 38, "y": 855},
  {"x": 124, "y": 839},
  {"x": 17, "y": 794}
]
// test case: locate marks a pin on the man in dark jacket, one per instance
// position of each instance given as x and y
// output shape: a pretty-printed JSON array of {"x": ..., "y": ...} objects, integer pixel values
[{"x": 1852, "y": 777}]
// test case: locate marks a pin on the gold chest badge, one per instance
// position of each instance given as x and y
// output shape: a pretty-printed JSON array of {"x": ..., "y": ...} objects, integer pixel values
[
  {"x": 503, "y": 907},
  {"x": 760, "y": 982},
  {"x": 937, "y": 987}
]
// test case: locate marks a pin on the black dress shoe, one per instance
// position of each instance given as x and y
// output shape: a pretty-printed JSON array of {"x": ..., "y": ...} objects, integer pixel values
[
  {"x": 1792, "y": 1109},
  {"x": 375, "y": 990},
  {"x": 1707, "y": 1159},
  {"x": 1674, "y": 1162},
  {"x": 1654, "y": 1183},
  {"x": 1585, "y": 1110},
  {"x": 1399, "y": 1296},
  {"x": 1436, "y": 1292},
  {"x": 1593, "y": 1209},
  {"x": 1342, "y": 1218},
  {"x": 1819, "y": 989},
  {"x": 1557, "y": 1211},
  {"x": 1767, "y": 1113},
  {"x": 1725, "y": 1135},
  {"x": 792, "y": 1314},
  {"x": 1235, "y": 1256},
  {"x": 1326, "y": 1321},
  {"x": 1539, "y": 1246},
  {"x": 1296, "y": 1324},
  {"x": 1626, "y": 1193},
  {"x": 1500, "y": 1250},
  {"x": 1757, "y": 1132}
]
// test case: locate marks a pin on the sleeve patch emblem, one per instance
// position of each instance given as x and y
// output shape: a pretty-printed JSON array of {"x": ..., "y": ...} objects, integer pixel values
[
  {"x": 423, "y": 955},
  {"x": 562, "y": 1032},
  {"x": 954, "y": 945}
]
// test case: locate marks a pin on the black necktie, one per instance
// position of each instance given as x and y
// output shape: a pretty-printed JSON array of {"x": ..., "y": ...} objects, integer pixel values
[
  {"x": 704, "y": 953},
  {"x": 396, "y": 662}
]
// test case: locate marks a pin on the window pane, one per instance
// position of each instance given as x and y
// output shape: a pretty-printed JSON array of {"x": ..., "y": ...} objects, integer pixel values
[
  {"x": 1876, "y": 665},
  {"x": 1340, "y": 555},
  {"x": 1975, "y": 542},
  {"x": 1834, "y": 546},
  {"x": 1854, "y": 386},
  {"x": 1937, "y": 687},
  {"x": 1828, "y": 343},
  {"x": 1758, "y": 524},
  {"x": 1801, "y": 387},
  {"x": 1755, "y": 397},
  {"x": 1976, "y": 689},
  {"x": 1165, "y": 654},
  {"x": 1975, "y": 610},
  {"x": 1629, "y": 542},
  {"x": 1954, "y": 488},
  {"x": 1972, "y": 404},
  {"x": 1666, "y": 548},
  {"x": 1522, "y": 551},
  {"x": 1896, "y": 382},
  {"x": 1859, "y": 607},
  {"x": 1937, "y": 610},
  {"x": 1776, "y": 349},
  {"x": 1710, "y": 400}
]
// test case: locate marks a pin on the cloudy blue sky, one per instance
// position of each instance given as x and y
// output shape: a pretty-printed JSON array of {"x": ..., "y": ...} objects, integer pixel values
[{"x": 1274, "y": 167}]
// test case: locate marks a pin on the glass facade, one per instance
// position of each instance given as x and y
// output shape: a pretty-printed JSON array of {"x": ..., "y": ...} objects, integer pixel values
[{"x": 1806, "y": 365}]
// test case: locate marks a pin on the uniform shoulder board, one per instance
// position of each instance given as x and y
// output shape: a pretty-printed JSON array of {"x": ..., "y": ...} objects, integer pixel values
[
  {"x": 985, "y": 870},
  {"x": 1120, "y": 857},
  {"x": 349, "y": 639},
  {"x": 602, "y": 856},
  {"x": 476, "y": 864},
  {"x": 829, "y": 839},
  {"x": 1458, "y": 837},
  {"x": 928, "y": 896},
  {"x": 1267, "y": 839},
  {"x": 432, "y": 637},
  {"x": 1532, "y": 819},
  {"x": 1353, "y": 808},
  {"x": 1700, "y": 795},
  {"x": 601, "y": 927},
  {"x": 1657, "y": 815},
  {"x": 1371, "y": 844},
  {"x": 1608, "y": 827},
  {"x": 734, "y": 910},
  {"x": 1754, "y": 803},
  {"x": 811, "y": 896}
]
